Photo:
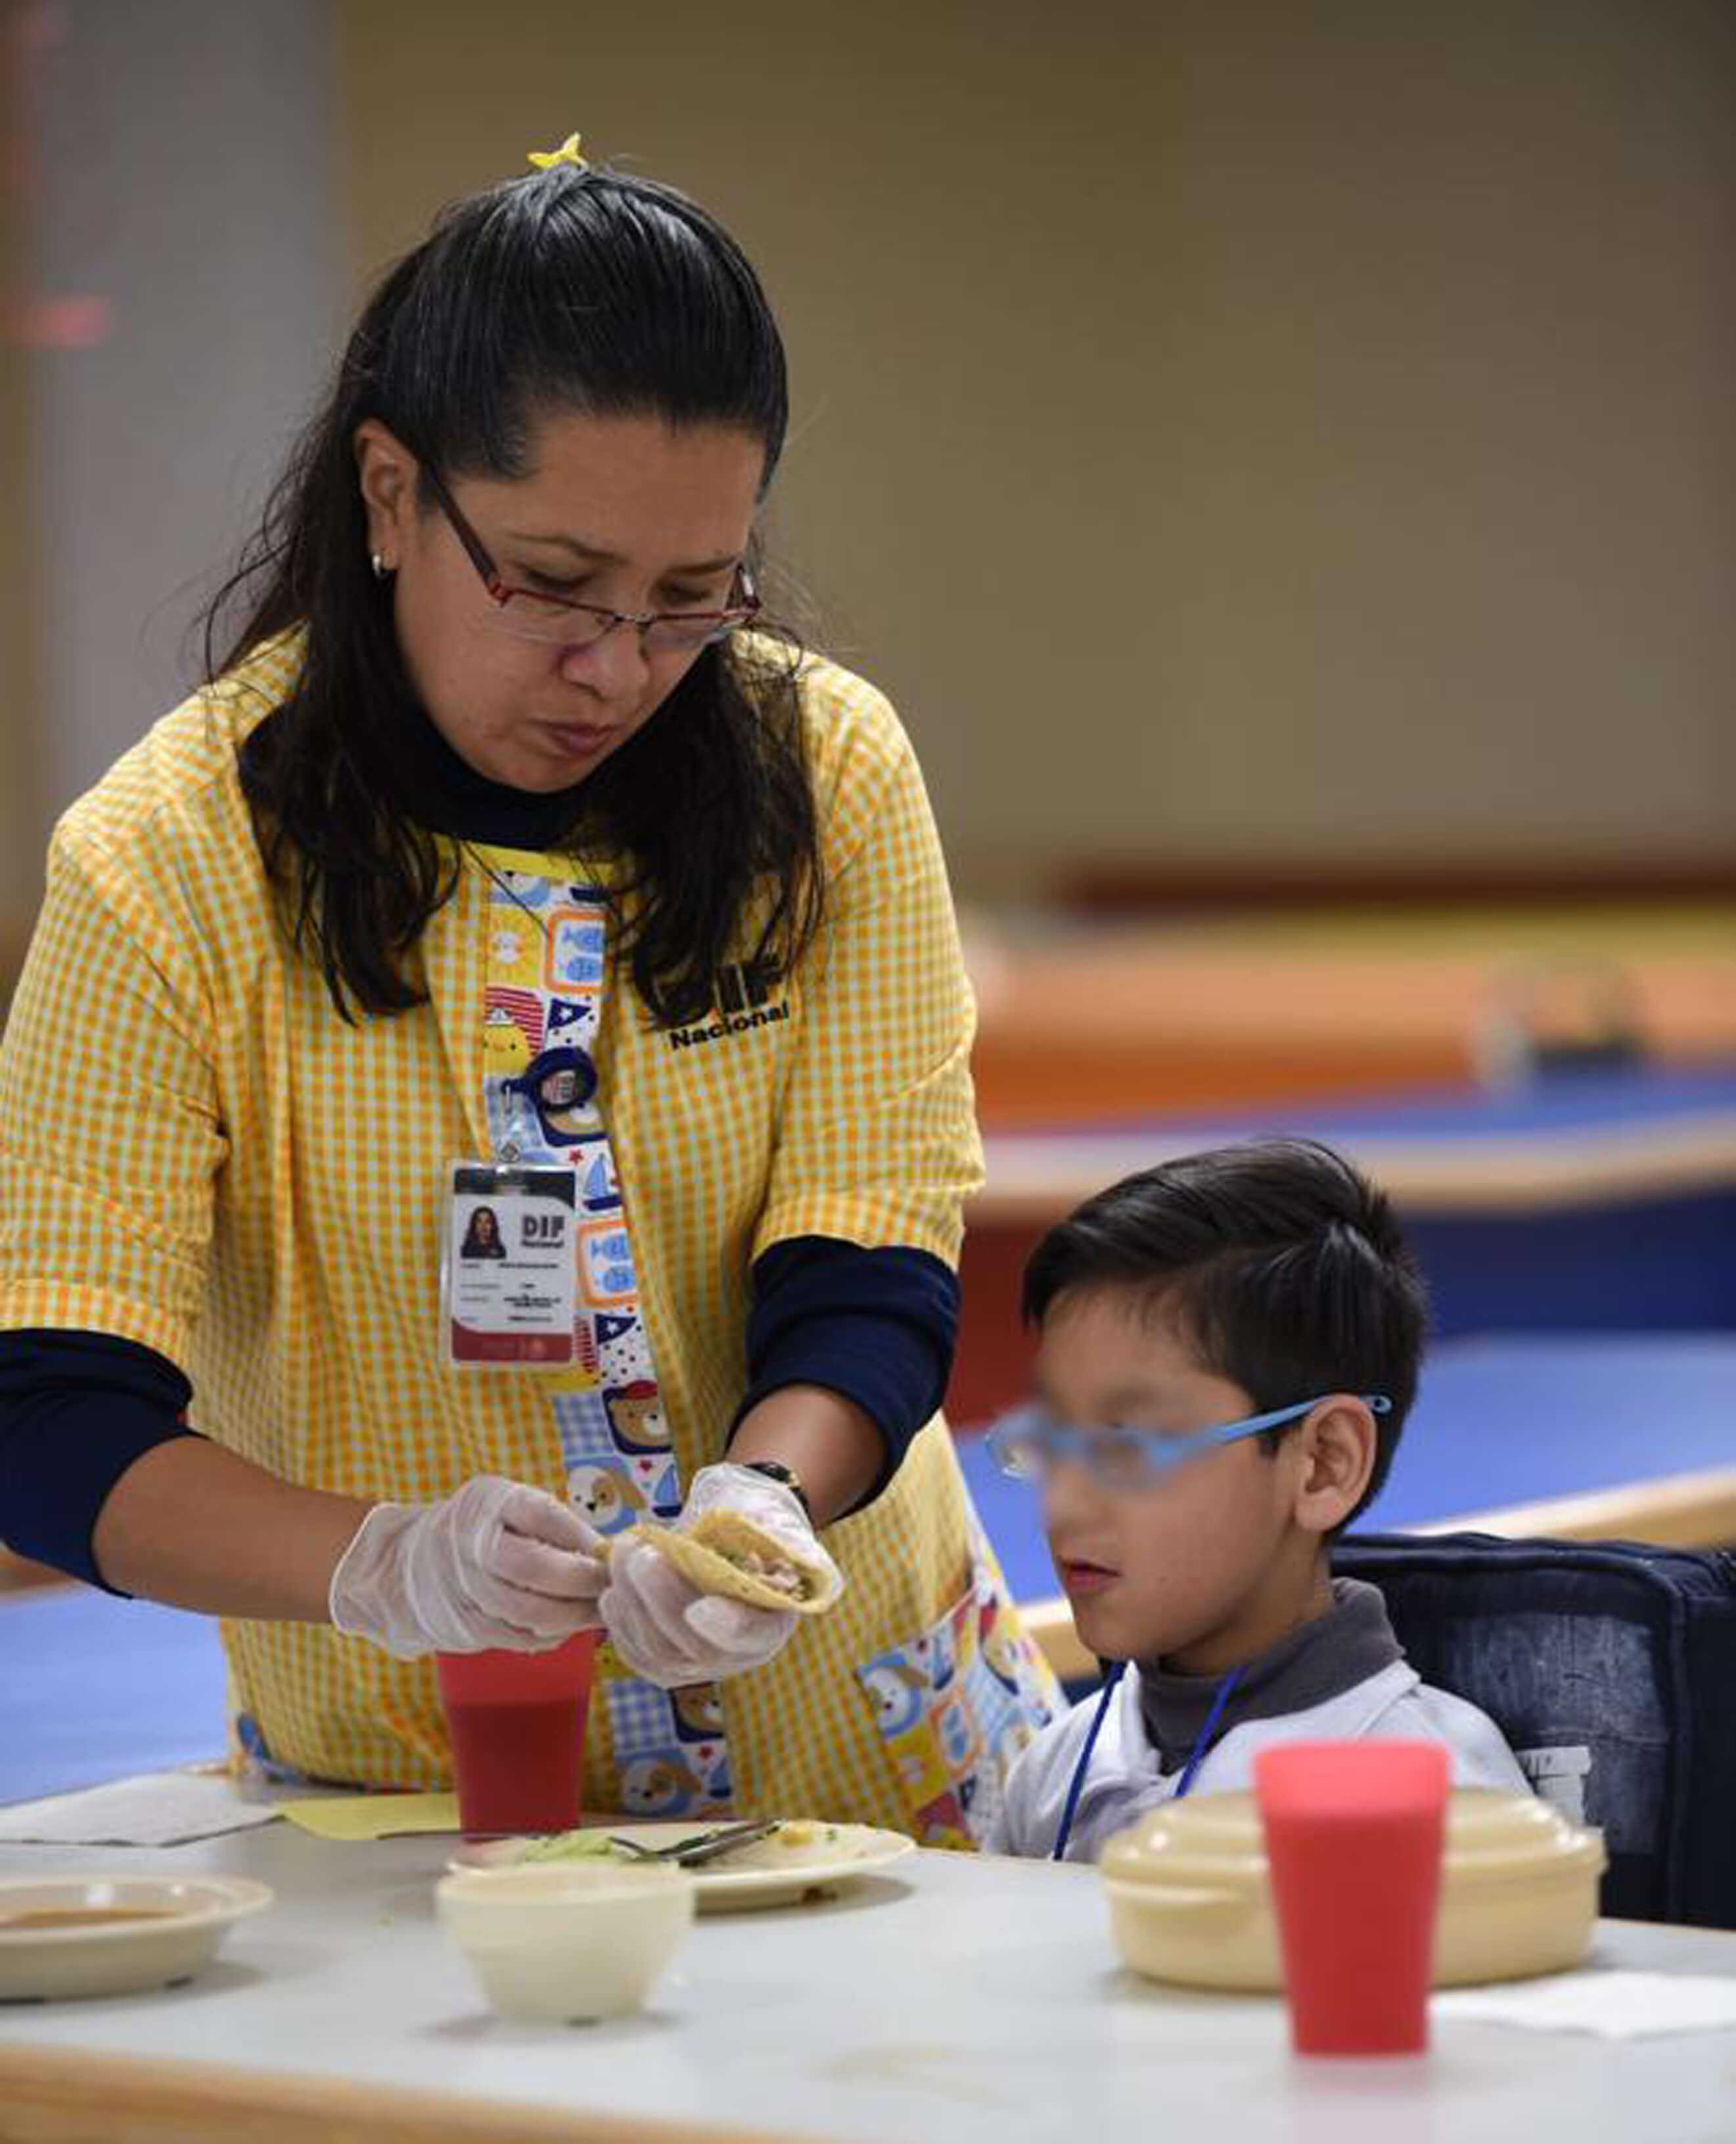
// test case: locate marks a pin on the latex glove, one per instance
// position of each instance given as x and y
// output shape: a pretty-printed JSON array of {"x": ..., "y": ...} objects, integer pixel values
[
  {"x": 498, "y": 1565},
  {"x": 671, "y": 1634}
]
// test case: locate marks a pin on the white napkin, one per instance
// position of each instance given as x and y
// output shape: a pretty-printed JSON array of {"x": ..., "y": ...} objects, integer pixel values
[
  {"x": 1617, "y": 2006},
  {"x": 157, "y": 1808}
]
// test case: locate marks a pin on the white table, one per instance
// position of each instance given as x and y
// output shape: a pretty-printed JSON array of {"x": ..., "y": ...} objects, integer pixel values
[{"x": 972, "y": 2001}]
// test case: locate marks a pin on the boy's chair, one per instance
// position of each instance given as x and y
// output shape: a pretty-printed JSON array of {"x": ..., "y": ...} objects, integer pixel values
[{"x": 1610, "y": 1667}]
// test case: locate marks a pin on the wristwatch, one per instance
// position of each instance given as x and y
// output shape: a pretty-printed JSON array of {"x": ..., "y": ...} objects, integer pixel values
[{"x": 775, "y": 1470}]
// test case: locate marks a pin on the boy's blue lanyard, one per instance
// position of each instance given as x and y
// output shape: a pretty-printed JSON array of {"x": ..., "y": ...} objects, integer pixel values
[{"x": 1196, "y": 1757}]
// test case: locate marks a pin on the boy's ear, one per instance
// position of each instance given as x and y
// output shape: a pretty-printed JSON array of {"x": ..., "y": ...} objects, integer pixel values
[{"x": 1338, "y": 1445}]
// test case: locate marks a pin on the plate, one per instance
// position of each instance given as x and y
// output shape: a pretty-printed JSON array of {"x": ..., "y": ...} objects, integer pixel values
[
  {"x": 768, "y": 1874},
  {"x": 113, "y": 1935}
]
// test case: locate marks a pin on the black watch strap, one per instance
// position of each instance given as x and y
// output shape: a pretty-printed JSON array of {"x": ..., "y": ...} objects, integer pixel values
[{"x": 775, "y": 1470}]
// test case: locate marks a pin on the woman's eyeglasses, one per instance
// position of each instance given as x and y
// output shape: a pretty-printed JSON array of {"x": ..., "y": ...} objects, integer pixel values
[
  {"x": 1029, "y": 1443},
  {"x": 534, "y": 614}
]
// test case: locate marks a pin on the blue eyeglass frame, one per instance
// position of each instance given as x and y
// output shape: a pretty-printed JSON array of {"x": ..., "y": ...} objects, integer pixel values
[{"x": 1161, "y": 1452}]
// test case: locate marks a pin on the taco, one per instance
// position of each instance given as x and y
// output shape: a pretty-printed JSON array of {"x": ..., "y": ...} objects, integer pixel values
[{"x": 722, "y": 1553}]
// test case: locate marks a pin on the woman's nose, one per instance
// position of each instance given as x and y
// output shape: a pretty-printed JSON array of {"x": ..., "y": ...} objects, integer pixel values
[{"x": 613, "y": 665}]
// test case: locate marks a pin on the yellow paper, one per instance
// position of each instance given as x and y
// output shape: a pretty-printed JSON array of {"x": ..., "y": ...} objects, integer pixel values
[{"x": 372, "y": 1816}]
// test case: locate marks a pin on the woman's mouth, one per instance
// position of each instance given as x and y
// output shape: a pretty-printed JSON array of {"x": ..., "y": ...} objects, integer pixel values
[
  {"x": 577, "y": 740},
  {"x": 1078, "y": 1578}
]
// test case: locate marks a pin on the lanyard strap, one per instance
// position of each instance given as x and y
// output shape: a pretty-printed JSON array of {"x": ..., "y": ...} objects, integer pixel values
[
  {"x": 1084, "y": 1766},
  {"x": 1196, "y": 1756}
]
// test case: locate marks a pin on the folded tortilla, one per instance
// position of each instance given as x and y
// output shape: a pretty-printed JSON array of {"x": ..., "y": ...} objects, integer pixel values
[{"x": 705, "y": 1553}]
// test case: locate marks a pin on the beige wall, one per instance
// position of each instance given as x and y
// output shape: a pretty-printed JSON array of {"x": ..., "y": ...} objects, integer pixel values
[
  {"x": 20, "y": 858},
  {"x": 1227, "y": 429},
  {"x": 180, "y": 164},
  {"x": 1230, "y": 431}
]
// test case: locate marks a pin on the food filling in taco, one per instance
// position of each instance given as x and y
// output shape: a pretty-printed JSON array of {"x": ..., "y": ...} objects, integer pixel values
[{"x": 775, "y": 1571}]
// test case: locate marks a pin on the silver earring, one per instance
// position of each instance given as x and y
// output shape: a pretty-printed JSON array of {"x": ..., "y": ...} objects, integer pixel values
[{"x": 379, "y": 564}]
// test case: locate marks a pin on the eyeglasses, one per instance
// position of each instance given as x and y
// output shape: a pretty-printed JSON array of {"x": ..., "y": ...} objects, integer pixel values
[
  {"x": 534, "y": 614},
  {"x": 1029, "y": 1443}
]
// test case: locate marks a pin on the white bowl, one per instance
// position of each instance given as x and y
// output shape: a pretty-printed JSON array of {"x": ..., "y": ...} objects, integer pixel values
[
  {"x": 113, "y": 1935},
  {"x": 565, "y": 1942},
  {"x": 1189, "y": 1900}
]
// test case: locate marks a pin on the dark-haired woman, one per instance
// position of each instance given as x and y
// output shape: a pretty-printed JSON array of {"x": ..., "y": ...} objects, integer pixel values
[
  {"x": 482, "y": 1235},
  {"x": 507, "y": 854}
]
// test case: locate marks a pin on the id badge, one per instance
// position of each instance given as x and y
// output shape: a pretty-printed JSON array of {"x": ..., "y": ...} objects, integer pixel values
[{"x": 509, "y": 1275}]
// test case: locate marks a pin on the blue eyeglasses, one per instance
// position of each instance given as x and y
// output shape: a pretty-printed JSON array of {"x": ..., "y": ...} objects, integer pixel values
[{"x": 1030, "y": 1441}]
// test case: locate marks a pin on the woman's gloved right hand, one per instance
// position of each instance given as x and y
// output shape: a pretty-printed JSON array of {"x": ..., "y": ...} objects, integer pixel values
[{"x": 498, "y": 1565}]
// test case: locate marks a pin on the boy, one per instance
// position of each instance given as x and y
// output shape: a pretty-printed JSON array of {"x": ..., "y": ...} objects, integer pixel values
[{"x": 1178, "y": 1310}]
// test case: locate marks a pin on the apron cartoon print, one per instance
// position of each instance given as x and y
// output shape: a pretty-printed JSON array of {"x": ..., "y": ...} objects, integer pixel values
[
  {"x": 955, "y": 1706},
  {"x": 548, "y": 965}
]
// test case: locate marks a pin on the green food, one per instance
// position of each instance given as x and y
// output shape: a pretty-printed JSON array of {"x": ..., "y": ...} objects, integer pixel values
[{"x": 573, "y": 1846}]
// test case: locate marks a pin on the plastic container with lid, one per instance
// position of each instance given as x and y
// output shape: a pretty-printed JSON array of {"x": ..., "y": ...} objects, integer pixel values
[{"x": 1189, "y": 1900}]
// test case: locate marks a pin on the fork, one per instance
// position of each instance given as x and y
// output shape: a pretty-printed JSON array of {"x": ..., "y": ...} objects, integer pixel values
[{"x": 704, "y": 1846}]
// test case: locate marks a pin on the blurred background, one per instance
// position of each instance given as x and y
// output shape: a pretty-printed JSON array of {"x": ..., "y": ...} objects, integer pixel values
[{"x": 1280, "y": 460}]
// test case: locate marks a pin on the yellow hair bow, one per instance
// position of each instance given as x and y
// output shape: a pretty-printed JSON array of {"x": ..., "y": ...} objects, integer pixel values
[{"x": 567, "y": 153}]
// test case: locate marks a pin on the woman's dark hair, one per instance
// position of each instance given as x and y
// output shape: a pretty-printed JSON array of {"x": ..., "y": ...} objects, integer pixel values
[
  {"x": 1281, "y": 1265},
  {"x": 572, "y": 290}
]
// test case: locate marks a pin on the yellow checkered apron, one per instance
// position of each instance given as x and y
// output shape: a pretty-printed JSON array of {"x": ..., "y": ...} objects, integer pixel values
[{"x": 197, "y": 1153}]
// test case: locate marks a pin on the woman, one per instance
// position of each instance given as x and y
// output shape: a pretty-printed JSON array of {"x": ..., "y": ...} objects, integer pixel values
[
  {"x": 506, "y": 857},
  {"x": 482, "y": 1235}
]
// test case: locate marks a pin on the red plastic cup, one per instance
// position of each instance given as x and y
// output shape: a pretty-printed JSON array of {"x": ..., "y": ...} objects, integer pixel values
[
  {"x": 1353, "y": 1839},
  {"x": 517, "y": 1722}
]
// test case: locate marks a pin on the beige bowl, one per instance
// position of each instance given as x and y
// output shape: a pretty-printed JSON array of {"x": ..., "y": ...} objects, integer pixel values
[
  {"x": 114, "y": 1934},
  {"x": 1189, "y": 1901},
  {"x": 565, "y": 1942}
]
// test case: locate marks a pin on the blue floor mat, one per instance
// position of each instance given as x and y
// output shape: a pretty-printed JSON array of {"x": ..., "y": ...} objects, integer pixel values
[{"x": 93, "y": 1688}]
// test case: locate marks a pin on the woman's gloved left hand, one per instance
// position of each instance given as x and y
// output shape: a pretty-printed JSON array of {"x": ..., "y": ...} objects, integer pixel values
[{"x": 671, "y": 1633}]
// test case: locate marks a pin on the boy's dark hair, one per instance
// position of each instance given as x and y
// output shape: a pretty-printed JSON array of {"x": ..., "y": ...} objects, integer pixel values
[{"x": 1283, "y": 1266}]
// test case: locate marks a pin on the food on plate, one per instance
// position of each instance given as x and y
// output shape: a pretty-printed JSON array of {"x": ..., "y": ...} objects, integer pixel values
[
  {"x": 792, "y": 1845},
  {"x": 590, "y": 1845},
  {"x": 788, "y": 1846}
]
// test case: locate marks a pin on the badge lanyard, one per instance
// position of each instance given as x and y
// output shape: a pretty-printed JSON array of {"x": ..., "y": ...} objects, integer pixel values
[
  {"x": 1196, "y": 1756},
  {"x": 546, "y": 976},
  {"x": 517, "y": 1227}
]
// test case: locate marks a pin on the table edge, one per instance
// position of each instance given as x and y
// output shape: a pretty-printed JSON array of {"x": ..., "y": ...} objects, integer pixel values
[{"x": 54, "y": 2095}]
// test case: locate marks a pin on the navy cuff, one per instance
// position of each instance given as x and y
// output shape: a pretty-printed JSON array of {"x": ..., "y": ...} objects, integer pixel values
[
  {"x": 77, "y": 1409},
  {"x": 876, "y": 1326}
]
